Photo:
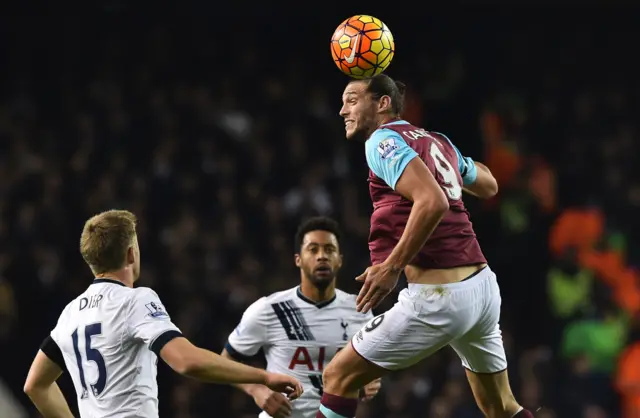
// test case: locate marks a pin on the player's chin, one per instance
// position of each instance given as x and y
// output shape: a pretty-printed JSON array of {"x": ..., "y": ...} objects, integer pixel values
[
  {"x": 348, "y": 134},
  {"x": 323, "y": 278},
  {"x": 350, "y": 131}
]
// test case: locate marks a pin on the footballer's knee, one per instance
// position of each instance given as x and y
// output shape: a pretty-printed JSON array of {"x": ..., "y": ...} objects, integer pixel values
[{"x": 337, "y": 377}]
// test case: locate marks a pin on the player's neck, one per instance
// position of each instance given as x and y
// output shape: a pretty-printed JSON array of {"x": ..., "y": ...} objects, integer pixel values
[
  {"x": 316, "y": 295},
  {"x": 384, "y": 119},
  {"x": 119, "y": 276}
]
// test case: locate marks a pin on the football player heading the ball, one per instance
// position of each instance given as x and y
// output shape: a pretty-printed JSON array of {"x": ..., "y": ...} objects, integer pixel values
[{"x": 420, "y": 226}]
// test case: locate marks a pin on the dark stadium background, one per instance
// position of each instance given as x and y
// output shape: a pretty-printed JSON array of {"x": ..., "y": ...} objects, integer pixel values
[{"x": 217, "y": 125}]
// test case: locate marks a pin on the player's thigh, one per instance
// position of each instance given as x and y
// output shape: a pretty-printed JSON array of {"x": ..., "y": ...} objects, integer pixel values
[
  {"x": 481, "y": 348},
  {"x": 482, "y": 352},
  {"x": 408, "y": 332}
]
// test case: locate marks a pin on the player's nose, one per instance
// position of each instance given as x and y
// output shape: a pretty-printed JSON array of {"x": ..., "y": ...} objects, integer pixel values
[
  {"x": 343, "y": 111},
  {"x": 322, "y": 257}
]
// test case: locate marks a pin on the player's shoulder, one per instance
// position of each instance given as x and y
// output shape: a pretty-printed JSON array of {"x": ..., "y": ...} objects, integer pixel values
[
  {"x": 68, "y": 310},
  {"x": 280, "y": 296},
  {"x": 382, "y": 134},
  {"x": 389, "y": 137},
  {"x": 343, "y": 296},
  {"x": 346, "y": 300},
  {"x": 142, "y": 292},
  {"x": 383, "y": 143},
  {"x": 440, "y": 136}
]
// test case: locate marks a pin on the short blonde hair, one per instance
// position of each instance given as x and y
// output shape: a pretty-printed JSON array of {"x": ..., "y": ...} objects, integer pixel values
[{"x": 106, "y": 239}]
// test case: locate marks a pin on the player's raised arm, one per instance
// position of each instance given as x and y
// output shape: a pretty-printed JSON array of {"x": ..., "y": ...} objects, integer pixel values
[
  {"x": 41, "y": 386},
  {"x": 485, "y": 186}
]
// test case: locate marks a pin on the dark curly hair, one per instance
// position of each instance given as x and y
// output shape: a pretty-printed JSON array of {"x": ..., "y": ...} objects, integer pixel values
[{"x": 318, "y": 223}]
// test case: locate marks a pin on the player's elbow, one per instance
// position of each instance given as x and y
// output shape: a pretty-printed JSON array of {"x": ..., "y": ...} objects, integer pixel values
[
  {"x": 490, "y": 189},
  {"x": 184, "y": 366},
  {"x": 439, "y": 203},
  {"x": 485, "y": 186},
  {"x": 436, "y": 203},
  {"x": 28, "y": 388},
  {"x": 31, "y": 388}
]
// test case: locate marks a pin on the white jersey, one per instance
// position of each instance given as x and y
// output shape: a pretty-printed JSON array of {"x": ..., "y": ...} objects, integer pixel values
[
  {"x": 108, "y": 337},
  {"x": 298, "y": 337}
]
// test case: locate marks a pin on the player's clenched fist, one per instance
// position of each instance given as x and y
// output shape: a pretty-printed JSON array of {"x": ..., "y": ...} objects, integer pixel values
[
  {"x": 284, "y": 384},
  {"x": 273, "y": 403}
]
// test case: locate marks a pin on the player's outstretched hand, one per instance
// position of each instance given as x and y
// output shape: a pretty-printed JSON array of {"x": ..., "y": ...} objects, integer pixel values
[
  {"x": 273, "y": 403},
  {"x": 284, "y": 384},
  {"x": 379, "y": 281},
  {"x": 371, "y": 390}
]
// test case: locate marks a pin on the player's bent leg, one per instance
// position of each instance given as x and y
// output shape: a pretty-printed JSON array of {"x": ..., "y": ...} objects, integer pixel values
[
  {"x": 342, "y": 380},
  {"x": 394, "y": 340}
]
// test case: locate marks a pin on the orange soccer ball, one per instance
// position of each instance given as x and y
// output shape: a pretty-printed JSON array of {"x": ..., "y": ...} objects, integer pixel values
[{"x": 362, "y": 46}]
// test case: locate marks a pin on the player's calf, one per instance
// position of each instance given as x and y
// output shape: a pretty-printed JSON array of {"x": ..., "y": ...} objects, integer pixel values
[
  {"x": 493, "y": 395},
  {"x": 342, "y": 380}
]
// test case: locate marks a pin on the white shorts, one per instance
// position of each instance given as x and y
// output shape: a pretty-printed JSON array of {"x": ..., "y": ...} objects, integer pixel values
[{"x": 464, "y": 315}]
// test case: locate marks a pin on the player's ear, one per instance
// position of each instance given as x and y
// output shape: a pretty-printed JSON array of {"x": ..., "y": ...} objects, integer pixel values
[
  {"x": 131, "y": 255},
  {"x": 340, "y": 260},
  {"x": 384, "y": 104},
  {"x": 298, "y": 260}
]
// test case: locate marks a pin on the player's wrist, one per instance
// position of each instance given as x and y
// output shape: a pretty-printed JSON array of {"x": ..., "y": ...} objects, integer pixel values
[
  {"x": 263, "y": 378},
  {"x": 394, "y": 266},
  {"x": 254, "y": 389}
]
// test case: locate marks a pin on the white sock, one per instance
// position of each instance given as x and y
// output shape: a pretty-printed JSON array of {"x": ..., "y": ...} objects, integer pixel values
[{"x": 518, "y": 411}]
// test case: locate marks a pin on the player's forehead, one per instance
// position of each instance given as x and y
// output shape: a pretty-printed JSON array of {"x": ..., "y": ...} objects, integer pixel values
[
  {"x": 354, "y": 89},
  {"x": 319, "y": 238}
]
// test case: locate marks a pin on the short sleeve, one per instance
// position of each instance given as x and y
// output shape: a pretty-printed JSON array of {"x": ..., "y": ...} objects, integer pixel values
[
  {"x": 388, "y": 155},
  {"x": 251, "y": 333},
  {"x": 149, "y": 321},
  {"x": 466, "y": 166},
  {"x": 53, "y": 352}
]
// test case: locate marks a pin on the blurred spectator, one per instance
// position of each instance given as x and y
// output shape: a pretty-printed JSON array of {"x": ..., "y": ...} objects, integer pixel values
[{"x": 628, "y": 374}]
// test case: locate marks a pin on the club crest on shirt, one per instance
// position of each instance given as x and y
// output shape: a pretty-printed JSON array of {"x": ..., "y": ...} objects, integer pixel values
[
  {"x": 387, "y": 148},
  {"x": 156, "y": 310}
]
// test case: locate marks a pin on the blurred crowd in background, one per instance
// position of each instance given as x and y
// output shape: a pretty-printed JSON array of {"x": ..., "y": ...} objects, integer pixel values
[{"x": 221, "y": 134}]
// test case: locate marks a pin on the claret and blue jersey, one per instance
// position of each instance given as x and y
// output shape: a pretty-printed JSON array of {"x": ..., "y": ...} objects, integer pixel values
[{"x": 388, "y": 151}]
